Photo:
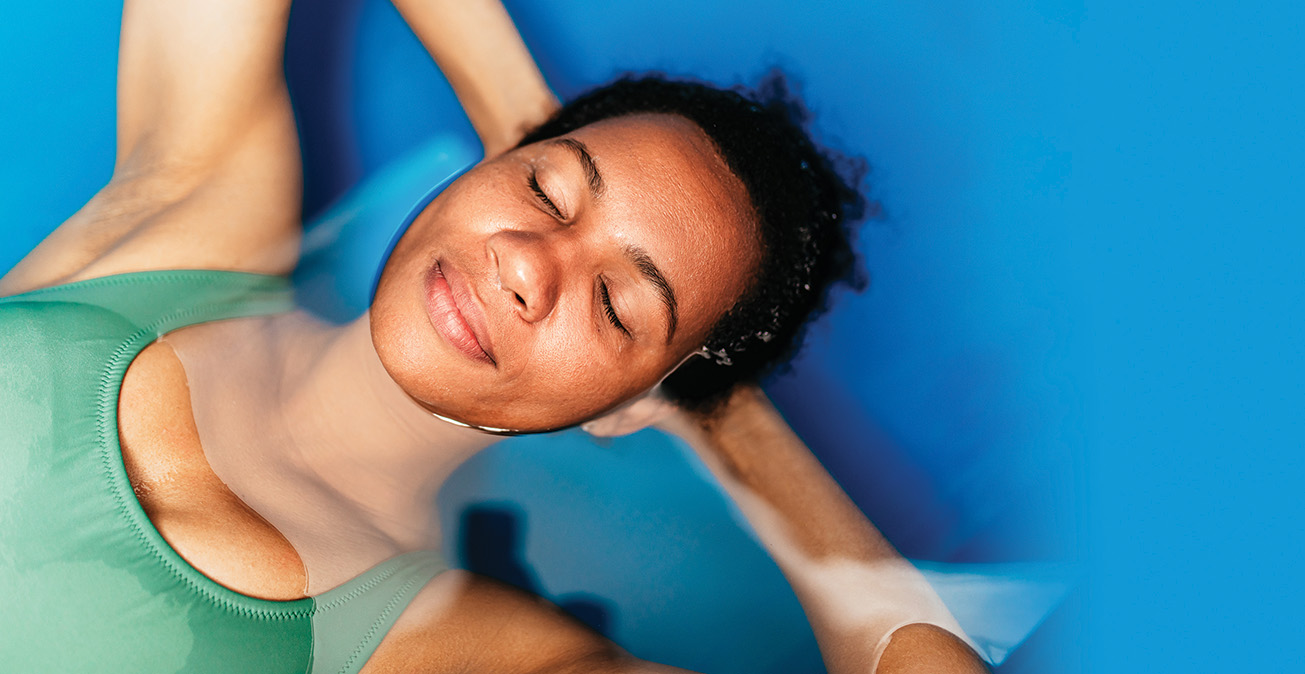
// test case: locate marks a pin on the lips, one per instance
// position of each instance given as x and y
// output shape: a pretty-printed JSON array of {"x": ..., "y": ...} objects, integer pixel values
[{"x": 456, "y": 315}]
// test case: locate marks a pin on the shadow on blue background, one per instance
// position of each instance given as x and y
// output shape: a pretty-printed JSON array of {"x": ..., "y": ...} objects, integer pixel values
[
  {"x": 944, "y": 399},
  {"x": 493, "y": 538}
]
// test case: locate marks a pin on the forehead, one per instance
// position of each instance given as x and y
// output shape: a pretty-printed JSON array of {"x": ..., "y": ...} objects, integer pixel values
[{"x": 666, "y": 186}]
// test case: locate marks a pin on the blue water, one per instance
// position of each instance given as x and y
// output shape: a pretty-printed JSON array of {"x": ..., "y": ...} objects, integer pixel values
[{"x": 1081, "y": 341}]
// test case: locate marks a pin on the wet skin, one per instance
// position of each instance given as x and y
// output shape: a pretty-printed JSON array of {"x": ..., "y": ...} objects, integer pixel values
[{"x": 514, "y": 307}]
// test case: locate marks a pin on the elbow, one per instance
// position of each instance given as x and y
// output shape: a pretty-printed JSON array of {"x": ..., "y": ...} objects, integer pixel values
[{"x": 927, "y": 649}]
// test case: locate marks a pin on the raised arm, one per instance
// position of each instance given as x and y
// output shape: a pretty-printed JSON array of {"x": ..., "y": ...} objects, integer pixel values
[
  {"x": 479, "y": 50},
  {"x": 867, "y": 606},
  {"x": 207, "y": 171}
]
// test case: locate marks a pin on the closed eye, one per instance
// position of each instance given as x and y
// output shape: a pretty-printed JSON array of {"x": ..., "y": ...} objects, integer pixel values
[
  {"x": 543, "y": 198},
  {"x": 611, "y": 311}
]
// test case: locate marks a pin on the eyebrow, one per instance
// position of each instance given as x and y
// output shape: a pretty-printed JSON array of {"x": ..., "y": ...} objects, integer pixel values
[
  {"x": 637, "y": 256},
  {"x": 649, "y": 270},
  {"x": 594, "y": 178}
]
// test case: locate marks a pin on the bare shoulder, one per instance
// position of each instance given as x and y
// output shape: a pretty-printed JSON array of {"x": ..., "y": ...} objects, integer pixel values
[
  {"x": 926, "y": 649},
  {"x": 464, "y": 622}
]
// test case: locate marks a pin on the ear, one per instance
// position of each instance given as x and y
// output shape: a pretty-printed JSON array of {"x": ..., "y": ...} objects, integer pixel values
[{"x": 632, "y": 416}]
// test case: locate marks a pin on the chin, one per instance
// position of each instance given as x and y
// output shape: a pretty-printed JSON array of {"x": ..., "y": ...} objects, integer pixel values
[
  {"x": 496, "y": 420},
  {"x": 537, "y": 416},
  {"x": 446, "y": 383}
]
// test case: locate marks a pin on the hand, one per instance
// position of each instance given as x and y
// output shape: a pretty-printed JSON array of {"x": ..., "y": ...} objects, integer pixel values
[
  {"x": 520, "y": 109},
  {"x": 728, "y": 438}
]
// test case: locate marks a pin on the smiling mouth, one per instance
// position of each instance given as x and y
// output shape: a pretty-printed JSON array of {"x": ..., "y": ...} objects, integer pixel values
[{"x": 448, "y": 320}]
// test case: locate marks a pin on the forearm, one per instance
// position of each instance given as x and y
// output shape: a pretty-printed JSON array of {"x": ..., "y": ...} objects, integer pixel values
[
  {"x": 494, "y": 76},
  {"x": 853, "y": 585}
]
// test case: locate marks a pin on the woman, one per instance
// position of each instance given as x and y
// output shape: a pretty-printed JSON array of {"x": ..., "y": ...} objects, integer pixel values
[{"x": 192, "y": 492}]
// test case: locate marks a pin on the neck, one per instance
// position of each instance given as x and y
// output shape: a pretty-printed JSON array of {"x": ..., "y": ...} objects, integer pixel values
[
  {"x": 337, "y": 450},
  {"x": 360, "y": 435}
]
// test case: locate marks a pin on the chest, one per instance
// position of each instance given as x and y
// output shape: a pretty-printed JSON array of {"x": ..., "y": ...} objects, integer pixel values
[
  {"x": 199, "y": 517},
  {"x": 227, "y": 541}
]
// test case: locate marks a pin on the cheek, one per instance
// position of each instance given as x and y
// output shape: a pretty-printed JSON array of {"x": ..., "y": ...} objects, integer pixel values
[
  {"x": 411, "y": 354},
  {"x": 573, "y": 377},
  {"x": 570, "y": 379}
]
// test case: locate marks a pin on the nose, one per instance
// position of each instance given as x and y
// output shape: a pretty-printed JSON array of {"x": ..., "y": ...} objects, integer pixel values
[{"x": 528, "y": 270}]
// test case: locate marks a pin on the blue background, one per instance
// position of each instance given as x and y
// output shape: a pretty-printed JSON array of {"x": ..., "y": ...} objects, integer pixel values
[{"x": 1081, "y": 342}]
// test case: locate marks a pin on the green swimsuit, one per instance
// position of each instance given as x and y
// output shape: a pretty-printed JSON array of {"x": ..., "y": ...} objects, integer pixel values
[{"x": 86, "y": 582}]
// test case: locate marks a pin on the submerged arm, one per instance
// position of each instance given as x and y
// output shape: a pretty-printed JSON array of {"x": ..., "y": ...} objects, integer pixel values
[
  {"x": 207, "y": 170},
  {"x": 866, "y": 604},
  {"x": 479, "y": 50}
]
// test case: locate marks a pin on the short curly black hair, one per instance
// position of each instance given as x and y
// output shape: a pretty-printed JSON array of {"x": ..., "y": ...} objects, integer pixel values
[{"x": 805, "y": 200}]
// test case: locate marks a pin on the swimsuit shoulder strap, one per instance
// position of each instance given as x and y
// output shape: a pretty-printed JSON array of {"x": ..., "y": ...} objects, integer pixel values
[
  {"x": 349, "y": 621},
  {"x": 168, "y": 298}
]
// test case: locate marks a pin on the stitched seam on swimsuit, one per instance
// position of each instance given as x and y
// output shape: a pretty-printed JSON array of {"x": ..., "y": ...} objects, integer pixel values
[
  {"x": 376, "y": 626},
  {"x": 353, "y": 594},
  {"x": 312, "y": 647},
  {"x": 126, "y": 278},
  {"x": 108, "y": 405}
]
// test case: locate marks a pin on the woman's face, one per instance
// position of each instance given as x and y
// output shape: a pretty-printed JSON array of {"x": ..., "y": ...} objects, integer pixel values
[{"x": 551, "y": 283}]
